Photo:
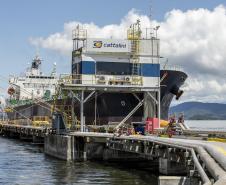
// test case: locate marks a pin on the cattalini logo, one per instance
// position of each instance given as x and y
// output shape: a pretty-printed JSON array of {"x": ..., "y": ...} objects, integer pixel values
[{"x": 97, "y": 44}]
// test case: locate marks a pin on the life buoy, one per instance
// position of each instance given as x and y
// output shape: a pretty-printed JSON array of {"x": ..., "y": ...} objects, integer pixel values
[{"x": 11, "y": 91}]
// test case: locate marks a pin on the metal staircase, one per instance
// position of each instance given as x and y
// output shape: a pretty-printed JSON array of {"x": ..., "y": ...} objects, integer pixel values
[
  {"x": 62, "y": 107},
  {"x": 134, "y": 34}
]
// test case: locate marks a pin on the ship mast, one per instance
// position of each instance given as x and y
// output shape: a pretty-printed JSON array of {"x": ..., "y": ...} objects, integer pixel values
[
  {"x": 150, "y": 13},
  {"x": 36, "y": 62}
]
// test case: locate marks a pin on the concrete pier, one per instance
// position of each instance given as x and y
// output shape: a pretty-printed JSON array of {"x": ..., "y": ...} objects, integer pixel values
[
  {"x": 59, "y": 146},
  {"x": 167, "y": 167},
  {"x": 83, "y": 147}
]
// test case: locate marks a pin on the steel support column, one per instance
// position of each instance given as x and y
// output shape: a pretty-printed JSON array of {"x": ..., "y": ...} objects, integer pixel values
[
  {"x": 159, "y": 107},
  {"x": 72, "y": 114},
  {"x": 158, "y": 103},
  {"x": 95, "y": 109},
  {"x": 82, "y": 111}
]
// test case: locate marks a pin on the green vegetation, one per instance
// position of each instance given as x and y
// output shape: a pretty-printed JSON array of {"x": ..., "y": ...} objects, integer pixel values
[{"x": 201, "y": 111}]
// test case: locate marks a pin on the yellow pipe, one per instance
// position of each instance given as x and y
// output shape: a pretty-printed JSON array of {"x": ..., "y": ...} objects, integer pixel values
[{"x": 217, "y": 140}]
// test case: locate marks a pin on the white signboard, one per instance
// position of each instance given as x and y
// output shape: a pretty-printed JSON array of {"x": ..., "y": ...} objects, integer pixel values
[{"x": 108, "y": 46}]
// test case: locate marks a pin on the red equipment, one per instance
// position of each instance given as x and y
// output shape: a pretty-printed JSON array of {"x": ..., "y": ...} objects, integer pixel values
[{"x": 151, "y": 124}]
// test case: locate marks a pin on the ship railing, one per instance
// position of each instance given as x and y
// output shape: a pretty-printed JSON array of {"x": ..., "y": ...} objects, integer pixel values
[
  {"x": 21, "y": 122},
  {"x": 172, "y": 68},
  {"x": 13, "y": 79},
  {"x": 15, "y": 103},
  {"x": 38, "y": 121},
  {"x": 68, "y": 79},
  {"x": 41, "y": 121},
  {"x": 65, "y": 79}
]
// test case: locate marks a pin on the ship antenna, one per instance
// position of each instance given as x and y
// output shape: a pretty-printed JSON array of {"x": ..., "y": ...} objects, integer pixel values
[
  {"x": 150, "y": 13},
  {"x": 167, "y": 60},
  {"x": 54, "y": 70},
  {"x": 150, "y": 18},
  {"x": 36, "y": 61}
]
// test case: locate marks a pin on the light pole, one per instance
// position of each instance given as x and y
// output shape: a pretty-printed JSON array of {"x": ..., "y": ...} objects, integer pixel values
[{"x": 156, "y": 31}]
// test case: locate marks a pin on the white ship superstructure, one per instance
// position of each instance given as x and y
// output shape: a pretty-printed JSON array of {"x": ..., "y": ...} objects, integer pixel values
[{"x": 33, "y": 85}]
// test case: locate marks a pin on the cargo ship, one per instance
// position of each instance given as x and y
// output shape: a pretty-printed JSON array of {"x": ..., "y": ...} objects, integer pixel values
[
  {"x": 172, "y": 80},
  {"x": 32, "y": 96}
]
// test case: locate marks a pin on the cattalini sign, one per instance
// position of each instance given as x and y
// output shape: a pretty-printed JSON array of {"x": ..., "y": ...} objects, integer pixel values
[{"x": 108, "y": 45}]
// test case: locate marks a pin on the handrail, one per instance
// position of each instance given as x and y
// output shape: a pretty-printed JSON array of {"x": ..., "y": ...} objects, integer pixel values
[
  {"x": 172, "y": 68},
  {"x": 100, "y": 79}
]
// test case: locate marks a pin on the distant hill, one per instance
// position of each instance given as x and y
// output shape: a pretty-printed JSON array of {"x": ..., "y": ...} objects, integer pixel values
[{"x": 201, "y": 111}]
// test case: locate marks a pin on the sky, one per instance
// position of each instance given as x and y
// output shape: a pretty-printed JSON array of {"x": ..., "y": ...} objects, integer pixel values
[{"x": 192, "y": 34}]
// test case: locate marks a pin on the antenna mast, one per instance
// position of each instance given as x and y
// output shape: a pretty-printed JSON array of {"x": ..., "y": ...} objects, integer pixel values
[{"x": 150, "y": 13}]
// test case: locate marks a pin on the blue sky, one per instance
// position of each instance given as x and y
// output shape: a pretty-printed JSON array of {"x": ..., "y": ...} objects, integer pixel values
[{"x": 23, "y": 19}]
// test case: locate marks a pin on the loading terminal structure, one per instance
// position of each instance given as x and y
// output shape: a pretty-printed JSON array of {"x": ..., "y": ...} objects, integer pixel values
[{"x": 112, "y": 67}]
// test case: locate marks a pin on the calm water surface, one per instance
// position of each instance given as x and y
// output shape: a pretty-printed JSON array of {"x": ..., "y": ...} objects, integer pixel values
[
  {"x": 207, "y": 124},
  {"x": 22, "y": 163}
]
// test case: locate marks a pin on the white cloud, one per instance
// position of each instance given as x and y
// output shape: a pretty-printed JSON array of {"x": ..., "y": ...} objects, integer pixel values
[
  {"x": 194, "y": 40},
  {"x": 205, "y": 88}
]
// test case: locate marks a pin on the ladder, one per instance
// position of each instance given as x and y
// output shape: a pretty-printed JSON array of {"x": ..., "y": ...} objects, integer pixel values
[
  {"x": 135, "y": 58},
  {"x": 134, "y": 34}
]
